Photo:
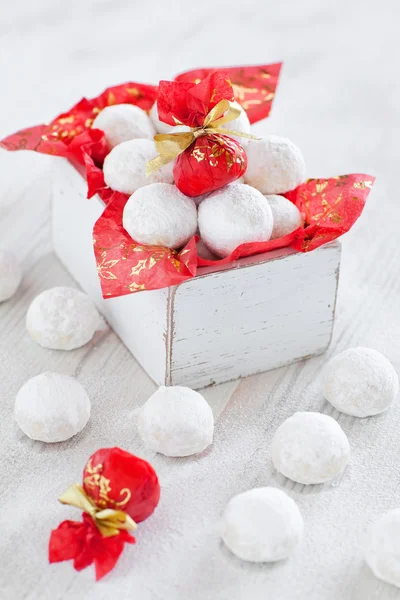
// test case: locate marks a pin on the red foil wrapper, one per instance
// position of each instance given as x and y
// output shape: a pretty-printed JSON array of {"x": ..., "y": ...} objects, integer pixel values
[
  {"x": 209, "y": 164},
  {"x": 112, "y": 479},
  {"x": 214, "y": 159},
  {"x": 116, "y": 479}
]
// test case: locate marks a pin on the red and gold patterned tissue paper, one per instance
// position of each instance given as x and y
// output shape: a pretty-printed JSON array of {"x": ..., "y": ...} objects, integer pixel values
[
  {"x": 118, "y": 491},
  {"x": 254, "y": 87},
  {"x": 55, "y": 137},
  {"x": 329, "y": 207}
]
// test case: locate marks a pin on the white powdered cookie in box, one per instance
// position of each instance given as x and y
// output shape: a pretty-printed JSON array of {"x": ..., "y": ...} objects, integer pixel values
[
  {"x": 233, "y": 215},
  {"x": 160, "y": 215},
  {"x": 123, "y": 122},
  {"x": 286, "y": 215},
  {"x": 275, "y": 165},
  {"x": 125, "y": 167}
]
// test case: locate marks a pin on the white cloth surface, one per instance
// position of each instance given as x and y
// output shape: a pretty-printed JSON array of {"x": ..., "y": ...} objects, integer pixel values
[{"x": 338, "y": 100}]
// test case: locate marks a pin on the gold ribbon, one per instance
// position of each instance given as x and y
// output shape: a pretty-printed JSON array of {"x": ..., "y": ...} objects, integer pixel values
[
  {"x": 170, "y": 145},
  {"x": 108, "y": 521}
]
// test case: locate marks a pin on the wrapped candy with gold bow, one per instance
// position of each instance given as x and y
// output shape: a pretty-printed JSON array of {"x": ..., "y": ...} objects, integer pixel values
[
  {"x": 207, "y": 157},
  {"x": 119, "y": 490}
]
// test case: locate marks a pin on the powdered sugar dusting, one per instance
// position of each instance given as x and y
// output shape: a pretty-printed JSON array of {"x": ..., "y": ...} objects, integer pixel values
[
  {"x": 52, "y": 407},
  {"x": 159, "y": 214},
  {"x": 262, "y": 525},
  {"x": 176, "y": 421},
  {"x": 275, "y": 165},
  {"x": 62, "y": 318},
  {"x": 125, "y": 167},
  {"x": 123, "y": 122},
  {"x": 233, "y": 215},
  {"x": 360, "y": 382}
]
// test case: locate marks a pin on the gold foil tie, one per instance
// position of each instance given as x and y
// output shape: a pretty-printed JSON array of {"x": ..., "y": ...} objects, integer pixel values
[
  {"x": 108, "y": 521},
  {"x": 170, "y": 145}
]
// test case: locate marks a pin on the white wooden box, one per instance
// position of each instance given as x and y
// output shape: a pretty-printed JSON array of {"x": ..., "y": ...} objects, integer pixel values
[{"x": 260, "y": 313}]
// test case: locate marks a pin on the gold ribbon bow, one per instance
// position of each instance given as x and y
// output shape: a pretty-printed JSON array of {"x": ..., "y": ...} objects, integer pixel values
[
  {"x": 108, "y": 521},
  {"x": 170, "y": 145}
]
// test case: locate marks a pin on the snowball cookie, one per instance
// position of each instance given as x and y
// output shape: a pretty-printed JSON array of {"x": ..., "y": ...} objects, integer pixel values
[
  {"x": 160, "y": 215},
  {"x": 360, "y": 382},
  {"x": 123, "y": 122},
  {"x": 310, "y": 448},
  {"x": 286, "y": 215},
  {"x": 275, "y": 165},
  {"x": 52, "y": 407},
  {"x": 10, "y": 275},
  {"x": 176, "y": 421},
  {"x": 164, "y": 127},
  {"x": 262, "y": 525},
  {"x": 62, "y": 318},
  {"x": 125, "y": 167},
  {"x": 382, "y": 547},
  {"x": 242, "y": 123},
  {"x": 233, "y": 215}
]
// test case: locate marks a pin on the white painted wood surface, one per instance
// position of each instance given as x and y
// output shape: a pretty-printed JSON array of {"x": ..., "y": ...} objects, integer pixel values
[
  {"x": 338, "y": 100},
  {"x": 263, "y": 312}
]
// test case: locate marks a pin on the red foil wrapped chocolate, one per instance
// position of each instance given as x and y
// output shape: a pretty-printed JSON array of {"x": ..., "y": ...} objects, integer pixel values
[
  {"x": 208, "y": 164},
  {"x": 114, "y": 478},
  {"x": 118, "y": 489}
]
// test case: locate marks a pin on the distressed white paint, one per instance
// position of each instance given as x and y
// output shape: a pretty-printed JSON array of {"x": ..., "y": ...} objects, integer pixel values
[{"x": 266, "y": 311}]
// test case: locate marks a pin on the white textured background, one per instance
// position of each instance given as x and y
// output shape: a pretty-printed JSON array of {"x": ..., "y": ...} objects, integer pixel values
[{"x": 339, "y": 101}]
